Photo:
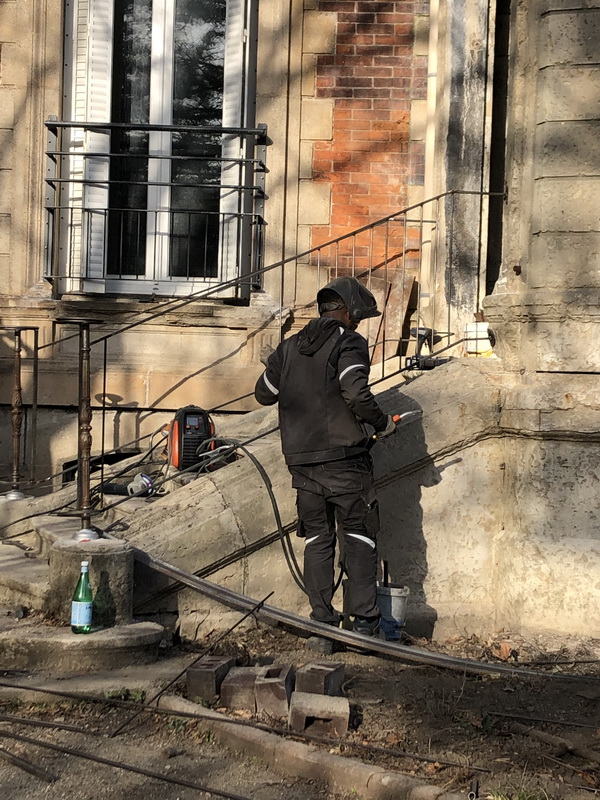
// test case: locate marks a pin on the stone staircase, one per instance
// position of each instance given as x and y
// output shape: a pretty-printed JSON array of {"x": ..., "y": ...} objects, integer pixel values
[{"x": 30, "y": 640}]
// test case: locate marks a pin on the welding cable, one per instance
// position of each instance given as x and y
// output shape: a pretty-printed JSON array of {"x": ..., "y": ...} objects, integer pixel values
[
  {"x": 288, "y": 550},
  {"x": 286, "y": 545},
  {"x": 120, "y": 765}
]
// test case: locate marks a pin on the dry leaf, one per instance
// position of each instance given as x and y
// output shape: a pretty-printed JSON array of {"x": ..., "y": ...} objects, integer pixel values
[{"x": 503, "y": 651}]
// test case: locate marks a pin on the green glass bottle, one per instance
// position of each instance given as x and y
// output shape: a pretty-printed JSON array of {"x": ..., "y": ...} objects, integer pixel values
[{"x": 81, "y": 605}]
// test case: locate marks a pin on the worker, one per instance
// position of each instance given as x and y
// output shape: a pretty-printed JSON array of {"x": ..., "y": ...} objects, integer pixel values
[{"x": 320, "y": 378}]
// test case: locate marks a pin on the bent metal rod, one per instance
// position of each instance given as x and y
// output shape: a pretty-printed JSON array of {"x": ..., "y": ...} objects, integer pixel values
[{"x": 272, "y": 614}]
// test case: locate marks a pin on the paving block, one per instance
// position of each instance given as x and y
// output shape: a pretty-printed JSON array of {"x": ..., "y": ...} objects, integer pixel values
[
  {"x": 319, "y": 714},
  {"x": 237, "y": 689},
  {"x": 320, "y": 678},
  {"x": 204, "y": 679},
  {"x": 273, "y": 690}
]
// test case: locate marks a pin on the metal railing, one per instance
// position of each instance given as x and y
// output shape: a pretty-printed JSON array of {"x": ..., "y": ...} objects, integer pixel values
[
  {"x": 408, "y": 261},
  {"x": 152, "y": 208}
]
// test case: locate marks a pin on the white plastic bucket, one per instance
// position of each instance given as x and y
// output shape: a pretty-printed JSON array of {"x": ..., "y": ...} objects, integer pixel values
[{"x": 391, "y": 600}]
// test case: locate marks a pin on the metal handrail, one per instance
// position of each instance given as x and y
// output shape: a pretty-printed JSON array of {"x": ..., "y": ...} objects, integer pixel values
[
  {"x": 313, "y": 255},
  {"x": 260, "y": 130}
]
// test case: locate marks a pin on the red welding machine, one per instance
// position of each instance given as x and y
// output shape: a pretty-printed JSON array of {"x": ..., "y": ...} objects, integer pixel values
[{"x": 190, "y": 429}]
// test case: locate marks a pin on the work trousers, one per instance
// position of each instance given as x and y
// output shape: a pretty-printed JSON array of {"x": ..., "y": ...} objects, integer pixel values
[{"x": 336, "y": 501}]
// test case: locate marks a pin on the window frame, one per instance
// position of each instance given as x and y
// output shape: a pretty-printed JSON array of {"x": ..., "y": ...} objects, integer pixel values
[{"x": 87, "y": 99}]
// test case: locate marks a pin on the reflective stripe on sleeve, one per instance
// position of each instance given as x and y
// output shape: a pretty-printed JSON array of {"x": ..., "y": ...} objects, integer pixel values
[
  {"x": 352, "y": 366},
  {"x": 269, "y": 385},
  {"x": 312, "y": 539}
]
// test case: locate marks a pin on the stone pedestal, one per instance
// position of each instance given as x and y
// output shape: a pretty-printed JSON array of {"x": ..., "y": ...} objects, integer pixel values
[{"x": 111, "y": 578}]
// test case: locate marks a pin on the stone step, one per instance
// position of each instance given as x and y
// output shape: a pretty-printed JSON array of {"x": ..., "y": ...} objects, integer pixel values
[
  {"x": 33, "y": 646},
  {"x": 50, "y": 529},
  {"x": 23, "y": 581}
]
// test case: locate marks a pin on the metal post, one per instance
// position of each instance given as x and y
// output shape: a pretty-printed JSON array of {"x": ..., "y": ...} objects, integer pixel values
[
  {"x": 17, "y": 410},
  {"x": 84, "y": 443},
  {"x": 16, "y": 419},
  {"x": 84, "y": 440},
  {"x": 32, "y": 428}
]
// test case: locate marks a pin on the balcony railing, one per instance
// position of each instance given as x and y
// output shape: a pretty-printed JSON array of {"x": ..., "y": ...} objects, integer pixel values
[{"x": 153, "y": 209}]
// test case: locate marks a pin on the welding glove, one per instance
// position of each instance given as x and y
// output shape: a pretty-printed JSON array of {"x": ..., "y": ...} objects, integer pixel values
[{"x": 389, "y": 428}]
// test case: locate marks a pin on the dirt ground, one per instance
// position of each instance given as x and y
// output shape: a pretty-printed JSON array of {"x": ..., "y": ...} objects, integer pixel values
[
  {"x": 172, "y": 747},
  {"x": 466, "y": 719},
  {"x": 457, "y": 729}
]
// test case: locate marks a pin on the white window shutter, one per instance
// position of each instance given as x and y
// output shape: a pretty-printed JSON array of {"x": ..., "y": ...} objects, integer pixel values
[
  {"x": 98, "y": 109},
  {"x": 233, "y": 116}
]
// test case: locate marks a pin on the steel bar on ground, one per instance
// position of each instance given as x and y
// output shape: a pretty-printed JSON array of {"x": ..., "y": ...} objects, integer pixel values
[
  {"x": 121, "y": 765},
  {"x": 22, "y": 763},
  {"x": 276, "y": 615},
  {"x": 261, "y": 726}
]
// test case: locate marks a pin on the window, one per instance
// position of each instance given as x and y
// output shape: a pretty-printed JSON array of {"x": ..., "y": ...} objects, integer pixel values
[{"x": 161, "y": 200}]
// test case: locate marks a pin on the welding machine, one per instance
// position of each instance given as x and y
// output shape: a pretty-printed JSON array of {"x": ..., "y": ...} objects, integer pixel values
[{"x": 191, "y": 427}]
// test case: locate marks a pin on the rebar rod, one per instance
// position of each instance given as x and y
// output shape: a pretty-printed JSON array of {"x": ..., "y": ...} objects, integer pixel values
[
  {"x": 179, "y": 675},
  {"x": 202, "y": 715},
  {"x": 28, "y": 766},
  {"x": 278, "y": 616},
  {"x": 121, "y": 765}
]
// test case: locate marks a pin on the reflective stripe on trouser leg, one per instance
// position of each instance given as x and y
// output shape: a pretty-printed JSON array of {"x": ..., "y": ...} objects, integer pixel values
[
  {"x": 360, "y": 554},
  {"x": 319, "y": 554}
]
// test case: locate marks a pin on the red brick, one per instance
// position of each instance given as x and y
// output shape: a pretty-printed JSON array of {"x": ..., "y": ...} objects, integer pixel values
[
  {"x": 372, "y": 72},
  {"x": 351, "y": 124},
  {"x": 356, "y": 17},
  {"x": 337, "y": 5},
  {"x": 354, "y": 81},
  {"x": 364, "y": 104},
  {"x": 374, "y": 93}
]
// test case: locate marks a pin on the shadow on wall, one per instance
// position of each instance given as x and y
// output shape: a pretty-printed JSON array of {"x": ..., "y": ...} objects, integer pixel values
[{"x": 403, "y": 468}]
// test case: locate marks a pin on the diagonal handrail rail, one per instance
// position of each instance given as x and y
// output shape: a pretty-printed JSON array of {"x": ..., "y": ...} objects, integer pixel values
[
  {"x": 176, "y": 303},
  {"x": 306, "y": 257}
]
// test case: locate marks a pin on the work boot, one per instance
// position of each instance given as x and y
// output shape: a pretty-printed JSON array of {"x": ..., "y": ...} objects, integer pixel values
[
  {"x": 366, "y": 627},
  {"x": 320, "y": 644}
]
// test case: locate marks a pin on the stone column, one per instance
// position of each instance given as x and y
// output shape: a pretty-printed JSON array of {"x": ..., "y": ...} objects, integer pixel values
[
  {"x": 546, "y": 307},
  {"x": 111, "y": 578}
]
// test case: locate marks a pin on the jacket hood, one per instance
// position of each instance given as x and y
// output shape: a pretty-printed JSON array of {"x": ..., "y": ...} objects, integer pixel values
[{"x": 314, "y": 335}]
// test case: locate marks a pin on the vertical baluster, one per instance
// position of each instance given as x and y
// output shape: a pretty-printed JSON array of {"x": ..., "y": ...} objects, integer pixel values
[
  {"x": 34, "y": 402},
  {"x": 84, "y": 440},
  {"x": 84, "y": 445},
  {"x": 16, "y": 417}
]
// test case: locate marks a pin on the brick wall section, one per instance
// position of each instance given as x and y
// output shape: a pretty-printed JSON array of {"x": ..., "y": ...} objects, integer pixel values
[{"x": 372, "y": 78}]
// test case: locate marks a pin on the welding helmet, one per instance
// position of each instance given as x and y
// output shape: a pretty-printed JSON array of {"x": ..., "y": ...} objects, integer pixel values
[{"x": 357, "y": 298}]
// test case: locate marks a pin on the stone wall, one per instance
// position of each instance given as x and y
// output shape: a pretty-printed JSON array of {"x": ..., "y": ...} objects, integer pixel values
[
  {"x": 545, "y": 308},
  {"x": 488, "y": 511}
]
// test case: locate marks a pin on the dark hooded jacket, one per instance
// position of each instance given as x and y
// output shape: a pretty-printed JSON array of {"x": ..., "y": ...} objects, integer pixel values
[{"x": 319, "y": 377}]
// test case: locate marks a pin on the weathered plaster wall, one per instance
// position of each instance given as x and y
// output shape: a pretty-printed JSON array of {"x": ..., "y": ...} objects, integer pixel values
[{"x": 549, "y": 550}]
